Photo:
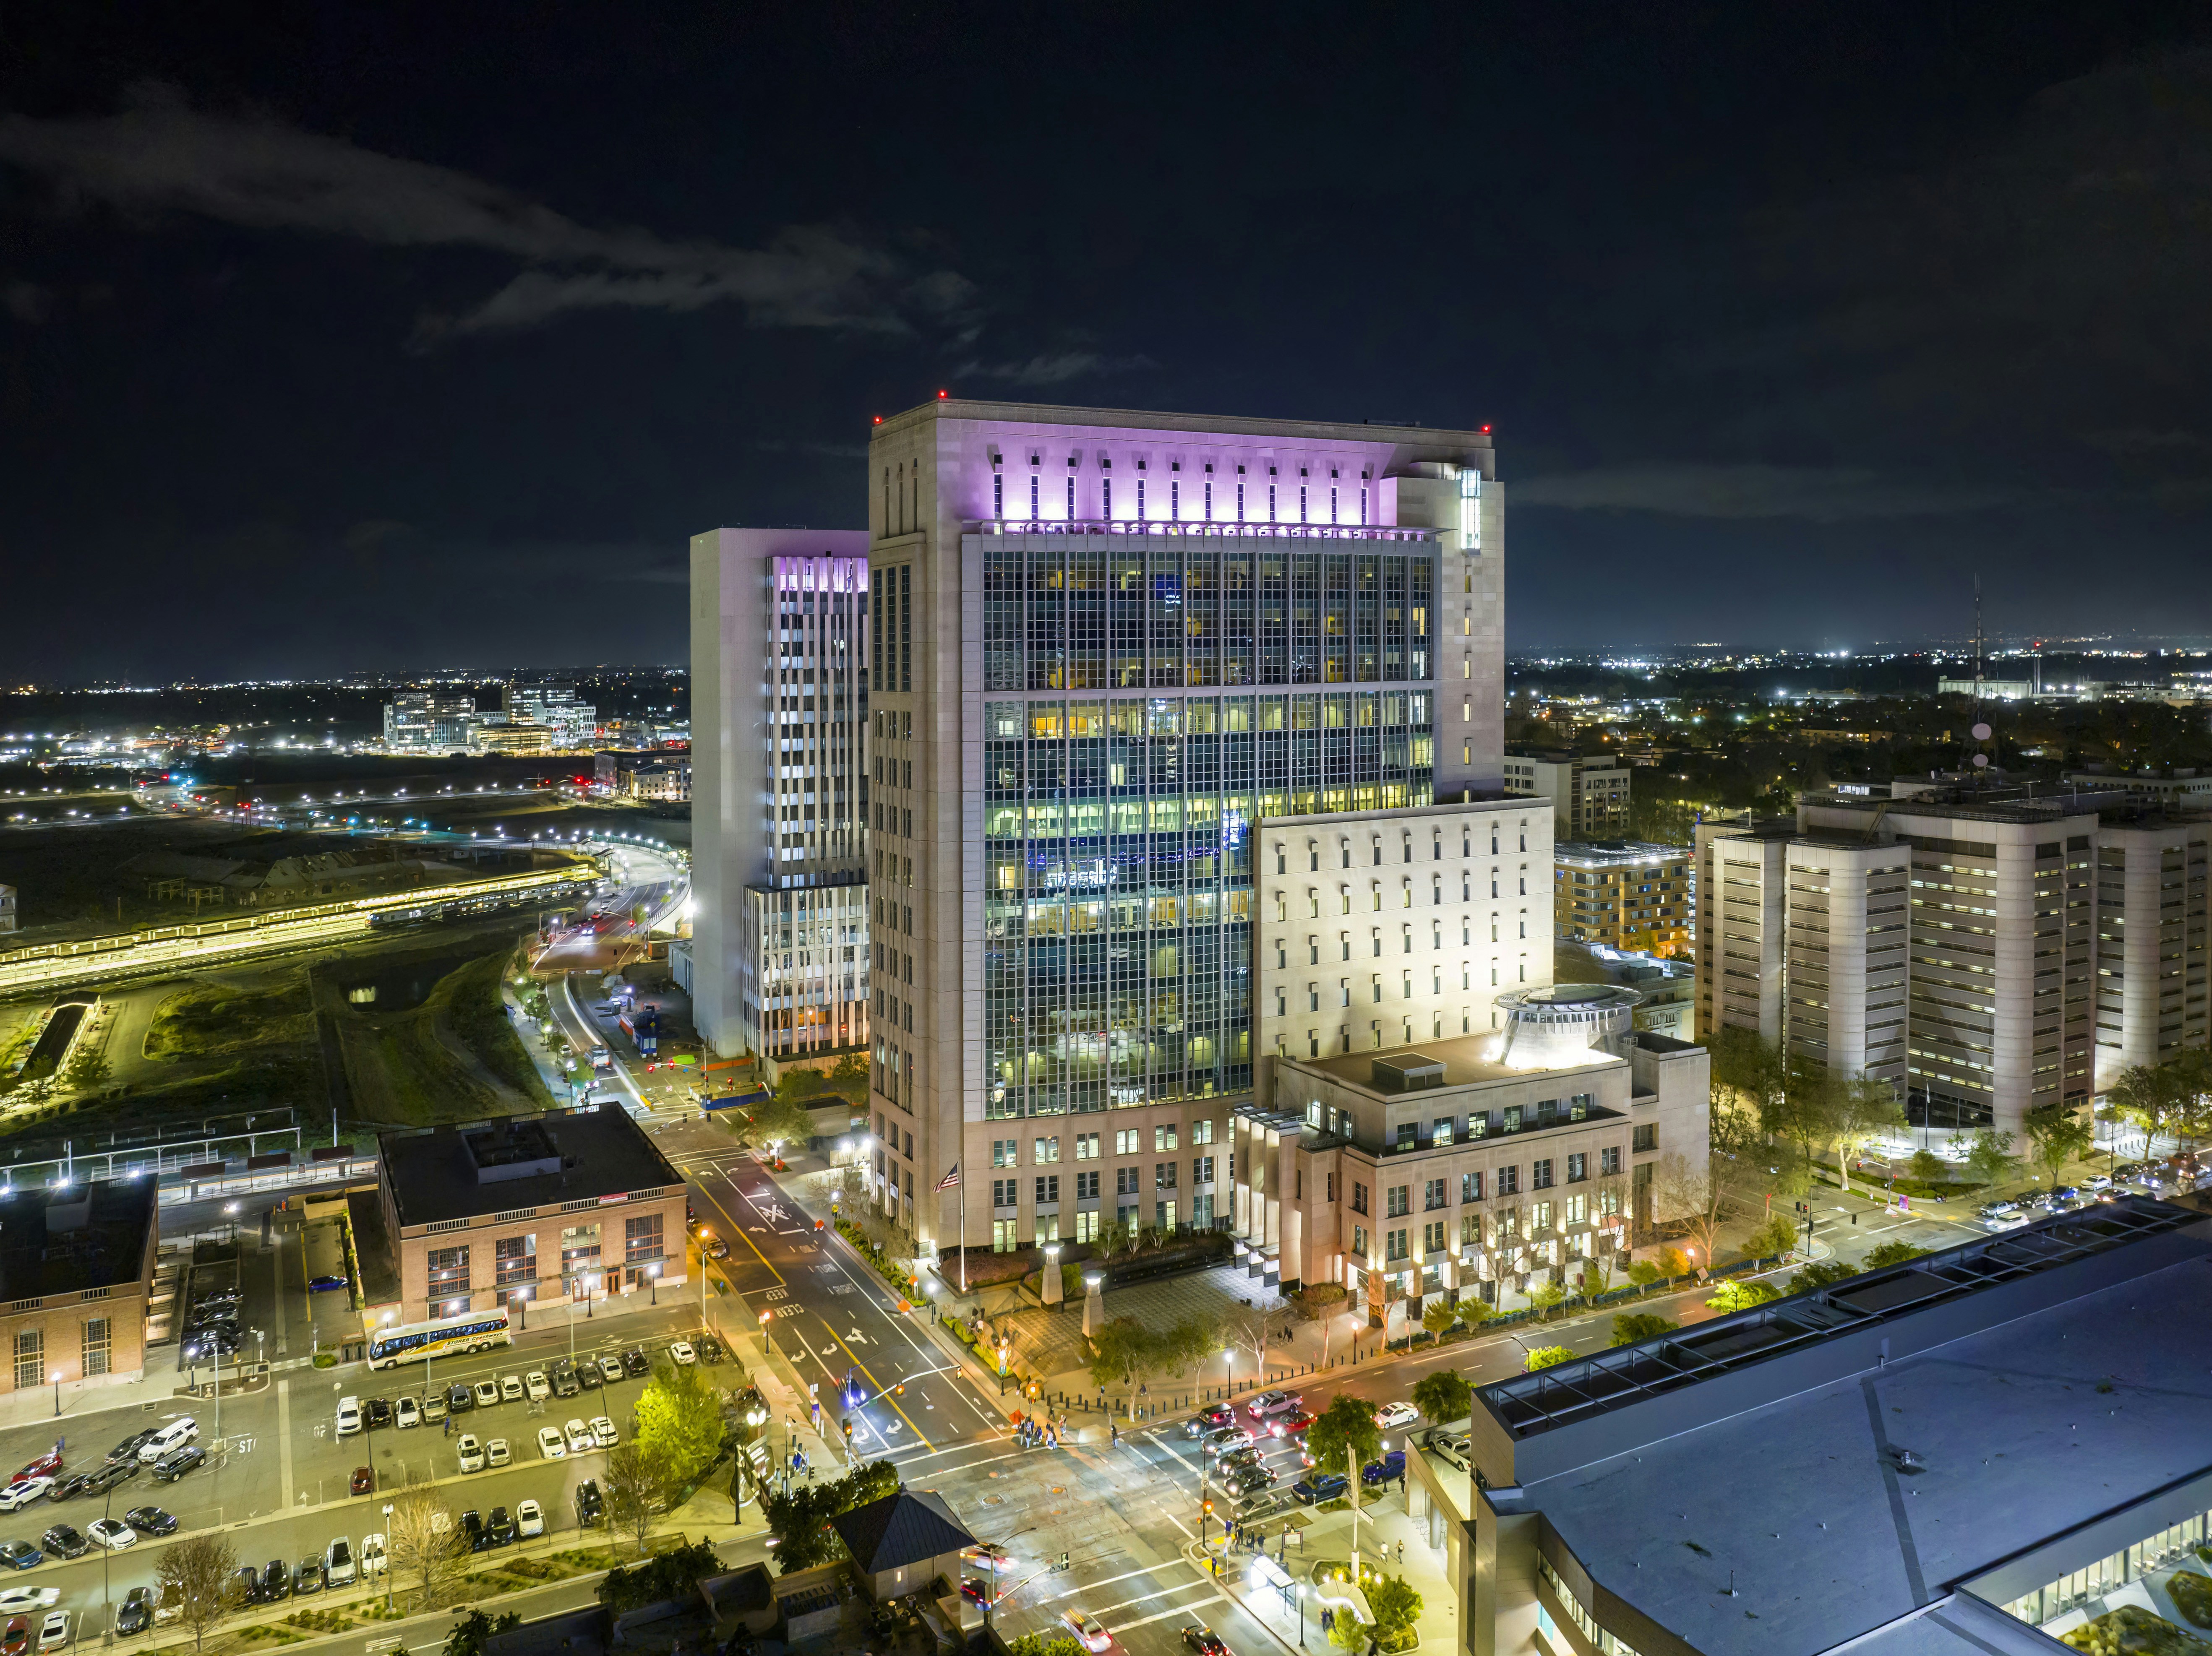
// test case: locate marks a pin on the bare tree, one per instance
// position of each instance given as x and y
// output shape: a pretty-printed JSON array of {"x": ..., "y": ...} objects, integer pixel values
[
  {"x": 196, "y": 1574},
  {"x": 1691, "y": 1194},
  {"x": 635, "y": 1482},
  {"x": 1865, "y": 1109},
  {"x": 1246, "y": 1330},
  {"x": 424, "y": 1544}
]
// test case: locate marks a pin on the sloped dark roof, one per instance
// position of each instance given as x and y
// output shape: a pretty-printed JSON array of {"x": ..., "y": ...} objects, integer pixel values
[{"x": 901, "y": 1529}]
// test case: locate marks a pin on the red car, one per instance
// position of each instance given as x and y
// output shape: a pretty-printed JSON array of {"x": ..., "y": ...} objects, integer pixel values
[
  {"x": 17, "y": 1639},
  {"x": 364, "y": 1481},
  {"x": 1283, "y": 1425},
  {"x": 48, "y": 1464},
  {"x": 976, "y": 1590}
]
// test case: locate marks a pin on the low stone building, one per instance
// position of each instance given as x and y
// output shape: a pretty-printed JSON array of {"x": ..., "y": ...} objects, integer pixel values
[{"x": 76, "y": 1274}]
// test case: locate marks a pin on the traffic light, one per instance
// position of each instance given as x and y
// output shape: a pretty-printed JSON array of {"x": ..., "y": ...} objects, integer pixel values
[
  {"x": 847, "y": 1424},
  {"x": 1063, "y": 1561}
]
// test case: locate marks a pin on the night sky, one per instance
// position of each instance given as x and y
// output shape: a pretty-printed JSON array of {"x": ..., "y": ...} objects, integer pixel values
[{"x": 339, "y": 338}]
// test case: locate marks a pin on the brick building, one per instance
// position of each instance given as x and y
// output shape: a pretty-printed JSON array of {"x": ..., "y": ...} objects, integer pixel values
[{"x": 77, "y": 1271}]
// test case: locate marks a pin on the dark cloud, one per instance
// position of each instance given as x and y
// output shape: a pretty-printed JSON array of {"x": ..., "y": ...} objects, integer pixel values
[
  {"x": 160, "y": 156},
  {"x": 1055, "y": 368},
  {"x": 1818, "y": 495},
  {"x": 27, "y": 301}
]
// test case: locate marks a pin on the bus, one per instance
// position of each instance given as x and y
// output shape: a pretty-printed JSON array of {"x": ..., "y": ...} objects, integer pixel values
[{"x": 448, "y": 1336}]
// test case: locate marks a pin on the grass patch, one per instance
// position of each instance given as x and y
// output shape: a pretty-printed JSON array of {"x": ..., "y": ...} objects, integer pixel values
[
  {"x": 452, "y": 1058},
  {"x": 211, "y": 1020},
  {"x": 264, "y": 1634},
  {"x": 478, "y": 1017}
]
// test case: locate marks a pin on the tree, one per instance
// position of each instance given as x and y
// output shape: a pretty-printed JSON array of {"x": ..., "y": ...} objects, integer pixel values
[
  {"x": 1820, "y": 1274},
  {"x": 195, "y": 1573},
  {"x": 1545, "y": 1356},
  {"x": 31, "y": 1094},
  {"x": 1045, "y": 1644},
  {"x": 671, "y": 1574},
  {"x": 1440, "y": 1318},
  {"x": 801, "y": 1520},
  {"x": 470, "y": 1633},
  {"x": 1127, "y": 1353},
  {"x": 1246, "y": 1329},
  {"x": 1778, "y": 1236},
  {"x": 1988, "y": 1157},
  {"x": 1740, "y": 1296},
  {"x": 773, "y": 1122},
  {"x": 1396, "y": 1605},
  {"x": 1866, "y": 1109},
  {"x": 1546, "y": 1295},
  {"x": 680, "y": 1420},
  {"x": 1629, "y": 1326},
  {"x": 88, "y": 1071},
  {"x": 2056, "y": 1136},
  {"x": 1751, "y": 1069},
  {"x": 1347, "y": 1424},
  {"x": 2148, "y": 1097},
  {"x": 1348, "y": 1632},
  {"x": 1443, "y": 1397},
  {"x": 423, "y": 1545},
  {"x": 1691, "y": 1194},
  {"x": 1892, "y": 1253},
  {"x": 635, "y": 1482}
]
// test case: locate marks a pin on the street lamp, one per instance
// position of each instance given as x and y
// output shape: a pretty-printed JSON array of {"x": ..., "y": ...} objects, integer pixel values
[
  {"x": 56, "y": 1377},
  {"x": 387, "y": 1560},
  {"x": 652, "y": 1278}
]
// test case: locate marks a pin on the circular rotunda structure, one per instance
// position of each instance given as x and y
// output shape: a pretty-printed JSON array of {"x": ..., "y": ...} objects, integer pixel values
[{"x": 1567, "y": 1024}]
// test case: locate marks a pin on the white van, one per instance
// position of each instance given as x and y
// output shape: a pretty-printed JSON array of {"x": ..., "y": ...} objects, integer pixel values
[{"x": 175, "y": 1435}]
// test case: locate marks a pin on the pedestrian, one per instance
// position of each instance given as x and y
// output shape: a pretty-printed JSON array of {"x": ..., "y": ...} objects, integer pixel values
[
  {"x": 1402, "y": 1552},
  {"x": 1115, "y": 1434}
]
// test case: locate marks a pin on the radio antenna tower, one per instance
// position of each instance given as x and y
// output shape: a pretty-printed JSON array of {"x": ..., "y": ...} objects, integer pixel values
[{"x": 1981, "y": 728}]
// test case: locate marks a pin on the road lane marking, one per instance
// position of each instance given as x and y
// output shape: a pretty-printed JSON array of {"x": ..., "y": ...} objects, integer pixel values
[
  {"x": 1180, "y": 1609},
  {"x": 1146, "y": 1598},
  {"x": 1144, "y": 1569}
]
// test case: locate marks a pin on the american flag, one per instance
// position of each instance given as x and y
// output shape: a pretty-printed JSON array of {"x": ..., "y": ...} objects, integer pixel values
[{"x": 950, "y": 1179}]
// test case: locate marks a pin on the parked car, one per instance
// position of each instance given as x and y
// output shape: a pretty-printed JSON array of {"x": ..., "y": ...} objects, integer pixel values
[
  {"x": 486, "y": 1393},
  {"x": 460, "y": 1397},
  {"x": 578, "y": 1436},
  {"x": 603, "y": 1432},
  {"x": 348, "y": 1417},
  {"x": 138, "y": 1612},
  {"x": 510, "y": 1388},
  {"x": 307, "y": 1577},
  {"x": 434, "y": 1409},
  {"x": 16, "y": 1639},
  {"x": 536, "y": 1386},
  {"x": 1272, "y": 1402},
  {"x": 529, "y": 1519},
  {"x": 589, "y": 1503},
  {"x": 18, "y": 1555},
  {"x": 563, "y": 1373},
  {"x": 550, "y": 1445},
  {"x": 1389, "y": 1470},
  {"x": 112, "y": 1533},
  {"x": 610, "y": 1369},
  {"x": 377, "y": 1411},
  {"x": 374, "y": 1561},
  {"x": 1320, "y": 1486},
  {"x": 717, "y": 1248},
  {"x": 23, "y": 1491},
  {"x": 496, "y": 1454},
  {"x": 276, "y": 1582},
  {"x": 406, "y": 1412},
  {"x": 54, "y": 1631},
  {"x": 681, "y": 1354},
  {"x": 470, "y": 1452},
  {"x": 635, "y": 1363},
  {"x": 48, "y": 1464},
  {"x": 338, "y": 1562},
  {"x": 710, "y": 1349},
  {"x": 364, "y": 1482},
  {"x": 174, "y": 1464},
  {"x": 170, "y": 1435},
  {"x": 472, "y": 1530},
  {"x": 150, "y": 1521},
  {"x": 498, "y": 1528},
  {"x": 108, "y": 1475},
  {"x": 129, "y": 1449}
]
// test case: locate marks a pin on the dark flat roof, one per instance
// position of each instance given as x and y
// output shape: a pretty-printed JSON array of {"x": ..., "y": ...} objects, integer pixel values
[
  {"x": 89, "y": 1236},
  {"x": 435, "y": 1176}
]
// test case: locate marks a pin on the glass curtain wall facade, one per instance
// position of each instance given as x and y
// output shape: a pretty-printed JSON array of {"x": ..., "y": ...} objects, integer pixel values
[{"x": 1117, "y": 860}]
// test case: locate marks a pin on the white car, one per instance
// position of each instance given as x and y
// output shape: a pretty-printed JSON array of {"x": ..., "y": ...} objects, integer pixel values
[
  {"x": 610, "y": 1369},
  {"x": 549, "y": 1444},
  {"x": 406, "y": 1412},
  {"x": 2008, "y": 1221},
  {"x": 529, "y": 1519},
  {"x": 496, "y": 1454},
  {"x": 1222, "y": 1441},
  {"x": 487, "y": 1394},
  {"x": 112, "y": 1533},
  {"x": 510, "y": 1388},
  {"x": 471, "y": 1452},
  {"x": 1273, "y": 1402},
  {"x": 348, "y": 1417},
  {"x": 536, "y": 1386},
  {"x": 1396, "y": 1414},
  {"x": 373, "y": 1559},
  {"x": 579, "y": 1437},
  {"x": 17, "y": 1601},
  {"x": 1089, "y": 1632},
  {"x": 23, "y": 1491},
  {"x": 681, "y": 1354},
  {"x": 603, "y": 1432},
  {"x": 54, "y": 1631}
]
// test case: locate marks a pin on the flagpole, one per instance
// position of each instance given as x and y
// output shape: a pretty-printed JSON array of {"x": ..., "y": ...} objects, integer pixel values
[{"x": 962, "y": 1189}]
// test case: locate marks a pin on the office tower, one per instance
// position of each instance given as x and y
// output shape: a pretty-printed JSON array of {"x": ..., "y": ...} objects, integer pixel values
[
  {"x": 2152, "y": 933},
  {"x": 429, "y": 721},
  {"x": 1994, "y": 967},
  {"x": 1589, "y": 796},
  {"x": 778, "y": 699},
  {"x": 1110, "y": 648},
  {"x": 1623, "y": 895},
  {"x": 573, "y": 723}
]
